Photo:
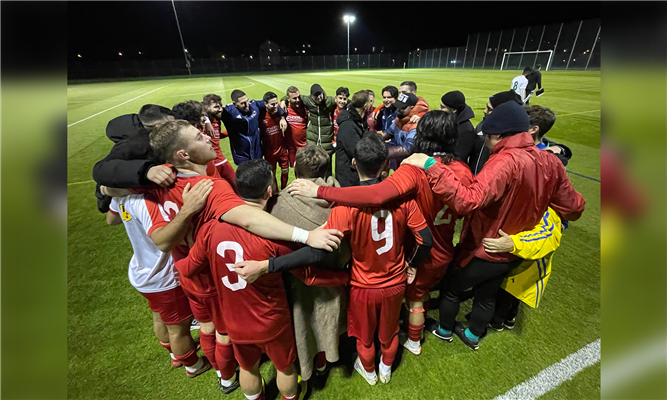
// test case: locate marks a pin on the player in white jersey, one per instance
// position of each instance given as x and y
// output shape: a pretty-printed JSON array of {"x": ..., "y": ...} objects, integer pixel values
[
  {"x": 519, "y": 84},
  {"x": 153, "y": 274}
]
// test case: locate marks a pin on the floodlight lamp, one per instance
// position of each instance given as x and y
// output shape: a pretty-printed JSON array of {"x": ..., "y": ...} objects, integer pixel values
[
  {"x": 78, "y": 55},
  {"x": 120, "y": 54}
]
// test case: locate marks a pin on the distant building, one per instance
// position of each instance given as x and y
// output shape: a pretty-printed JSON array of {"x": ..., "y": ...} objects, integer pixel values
[{"x": 270, "y": 54}]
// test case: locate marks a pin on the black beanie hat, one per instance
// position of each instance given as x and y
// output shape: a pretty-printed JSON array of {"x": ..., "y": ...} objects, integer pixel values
[
  {"x": 503, "y": 97},
  {"x": 508, "y": 117},
  {"x": 316, "y": 88},
  {"x": 455, "y": 100}
]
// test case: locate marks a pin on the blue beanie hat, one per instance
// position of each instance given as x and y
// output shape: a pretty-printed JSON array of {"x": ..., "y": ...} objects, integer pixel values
[{"x": 508, "y": 117}]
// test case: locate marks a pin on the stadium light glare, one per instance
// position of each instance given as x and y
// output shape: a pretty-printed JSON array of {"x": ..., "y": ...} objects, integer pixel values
[
  {"x": 223, "y": 56},
  {"x": 139, "y": 53},
  {"x": 348, "y": 19},
  {"x": 120, "y": 54},
  {"x": 78, "y": 55}
]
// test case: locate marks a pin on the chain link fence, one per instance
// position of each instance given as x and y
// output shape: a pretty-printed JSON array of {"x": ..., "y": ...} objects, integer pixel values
[
  {"x": 84, "y": 69},
  {"x": 575, "y": 46}
]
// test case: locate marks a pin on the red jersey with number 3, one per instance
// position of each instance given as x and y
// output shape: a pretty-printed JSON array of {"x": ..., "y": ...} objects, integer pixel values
[
  {"x": 253, "y": 313},
  {"x": 440, "y": 217},
  {"x": 297, "y": 123},
  {"x": 170, "y": 201},
  {"x": 377, "y": 236},
  {"x": 272, "y": 136}
]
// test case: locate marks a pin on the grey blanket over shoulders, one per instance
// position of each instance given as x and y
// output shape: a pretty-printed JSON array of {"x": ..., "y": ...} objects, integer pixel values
[{"x": 318, "y": 312}]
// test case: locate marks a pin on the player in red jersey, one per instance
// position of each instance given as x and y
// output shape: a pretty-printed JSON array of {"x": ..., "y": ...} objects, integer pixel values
[
  {"x": 257, "y": 316},
  {"x": 297, "y": 122},
  {"x": 213, "y": 105},
  {"x": 190, "y": 152},
  {"x": 436, "y": 136},
  {"x": 342, "y": 94},
  {"x": 195, "y": 113},
  {"x": 370, "y": 116},
  {"x": 273, "y": 141},
  {"x": 378, "y": 269}
]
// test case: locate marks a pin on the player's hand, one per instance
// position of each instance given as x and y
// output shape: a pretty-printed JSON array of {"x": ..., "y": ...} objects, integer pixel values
[
  {"x": 250, "y": 271},
  {"x": 162, "y": 175},
  {"x": 325, "y": 239},
  {"x": 412, "y": 272},
  {"x": 194, "y": 199},
  {"x": 415, "y": 119},
  {"x": 283, "y": 124},
  {"x": 503, "y": 244},
  {"x": 303, "y": 187},
  {"x": 416, "y": 160},
  {"x": 208, "y": 129},
  {"x": 555, "y": 149}
]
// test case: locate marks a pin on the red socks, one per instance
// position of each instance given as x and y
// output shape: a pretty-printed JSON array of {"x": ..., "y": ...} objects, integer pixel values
[
  {"x": 320, "y": 360},
  {"x": 415, "y": 332},
  {"x": 207, "y": 341},
  {"x": 166, "y": 346},
  {"x": 224, "y": 356},
  {"x": 189, "y": 359},
  {"x": 283, "y": 180}
]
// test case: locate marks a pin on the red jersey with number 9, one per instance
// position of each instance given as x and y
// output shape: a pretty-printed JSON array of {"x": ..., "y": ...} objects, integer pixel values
[
  {"x": 253, "y": 313},
  {"x": 440, "y": 217},
  {"x": 377, "y": 236},
  {"x": 170, "y": 201}
]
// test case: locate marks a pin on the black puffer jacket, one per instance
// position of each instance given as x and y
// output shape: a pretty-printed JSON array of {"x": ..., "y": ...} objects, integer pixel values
[
  {"x": 467, "y": 134},
  {"x": 351, "y": 128}
]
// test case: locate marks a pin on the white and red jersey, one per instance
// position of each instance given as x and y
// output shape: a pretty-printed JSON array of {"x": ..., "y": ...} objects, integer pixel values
[
  {"x": 150, "y": 269},
  {"x": 272, "y": 136},
  {"x": 297, "y": 123},
  {"x": 170, "y": 201},
  {"x": 335, "y": 123},
  {"x": 253, "y": 313},
  {"x": 377, "y": 240}
]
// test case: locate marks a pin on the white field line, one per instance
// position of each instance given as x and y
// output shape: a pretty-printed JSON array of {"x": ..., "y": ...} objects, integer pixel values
[
  {"x": 222, "y": 90},
  {"x": 549, "y": 378},
  {"x": 118, "y": 105}
]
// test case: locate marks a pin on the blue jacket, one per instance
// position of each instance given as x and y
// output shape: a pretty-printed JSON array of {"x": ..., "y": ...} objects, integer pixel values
[
  {"x": 386, "y": 116},
  {"x": 243, "y": 130}
]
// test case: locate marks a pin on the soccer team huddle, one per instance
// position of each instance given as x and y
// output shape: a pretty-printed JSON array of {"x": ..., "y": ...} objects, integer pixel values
[{"x": 356, "y": 247}]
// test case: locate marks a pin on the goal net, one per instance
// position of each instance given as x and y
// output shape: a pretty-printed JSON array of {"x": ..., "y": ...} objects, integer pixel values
[{"x": 520, "y": 59}]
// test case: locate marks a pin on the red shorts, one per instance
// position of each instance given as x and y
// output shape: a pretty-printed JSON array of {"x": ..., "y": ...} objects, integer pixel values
[
  {"x": 281, "y": 351},
  {"x": 207, "y": 309},
  {"x": 172, "y": 305},
  {"x": 374, "y": 309},
  {"x": 282, "y": 159},
  {"x": 426, "y": 278}
]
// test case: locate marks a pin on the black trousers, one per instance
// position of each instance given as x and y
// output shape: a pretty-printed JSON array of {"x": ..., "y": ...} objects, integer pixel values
[
  {"x": 507, "y": 307},
  {"x": 485, "y": 278}
]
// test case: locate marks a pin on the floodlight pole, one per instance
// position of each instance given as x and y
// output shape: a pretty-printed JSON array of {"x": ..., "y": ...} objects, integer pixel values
[
  {"x": 348, "y": 43},
  {"x": 185, "y": 55}
]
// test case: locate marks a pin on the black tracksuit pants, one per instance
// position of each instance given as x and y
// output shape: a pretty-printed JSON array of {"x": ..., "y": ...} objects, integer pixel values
[{"x": 485, "y": 278}]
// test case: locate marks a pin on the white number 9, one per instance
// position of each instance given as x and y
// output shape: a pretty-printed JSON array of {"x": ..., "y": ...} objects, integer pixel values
[
  {"x": 238, "y": 257},
  {"x": 387, "y": 234}
]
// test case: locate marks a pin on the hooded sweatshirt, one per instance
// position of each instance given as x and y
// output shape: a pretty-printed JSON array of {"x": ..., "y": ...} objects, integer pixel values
[
  {"x": 467, "y": 135},
  {"x": 351, "y": 128}
]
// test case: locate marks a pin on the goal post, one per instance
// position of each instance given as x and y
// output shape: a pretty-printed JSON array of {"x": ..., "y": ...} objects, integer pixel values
[{"x": 505, "y": 64}]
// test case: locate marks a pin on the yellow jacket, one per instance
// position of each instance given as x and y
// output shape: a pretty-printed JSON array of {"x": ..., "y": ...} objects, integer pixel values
[{"x": 527, "y": 281}]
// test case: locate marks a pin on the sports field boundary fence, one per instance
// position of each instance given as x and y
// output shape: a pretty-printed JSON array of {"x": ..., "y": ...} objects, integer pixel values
[
  {"x": 82, "y": 70},
  {"x": 575, "y": 46}
]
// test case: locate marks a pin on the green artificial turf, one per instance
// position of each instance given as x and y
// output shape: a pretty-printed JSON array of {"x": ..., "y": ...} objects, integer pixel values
[{"x": 113, "y": 353}]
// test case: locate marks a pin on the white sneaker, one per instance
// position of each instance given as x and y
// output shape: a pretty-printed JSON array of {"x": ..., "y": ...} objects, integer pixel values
[
  {"x": 373, "y": 380},
  {"x": 406, "y": 342},
  {"x": 384, "y": 378}
]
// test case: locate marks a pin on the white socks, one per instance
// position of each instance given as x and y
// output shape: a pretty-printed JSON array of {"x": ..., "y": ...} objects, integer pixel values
[
  {"x": 412, "y": 343},
  {"x": 253, "y": 396},
  {"x": 173, "y": 357},
  {"x": 196, "y": 366},
  {"x": 385, "y": 369}
]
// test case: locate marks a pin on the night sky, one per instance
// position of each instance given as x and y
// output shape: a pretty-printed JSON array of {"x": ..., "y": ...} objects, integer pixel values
[{"x": 99, "y": 30}]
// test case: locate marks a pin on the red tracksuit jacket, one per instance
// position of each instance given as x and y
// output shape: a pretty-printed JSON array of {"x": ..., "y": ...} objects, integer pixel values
[{"x": 512, "y": 192}]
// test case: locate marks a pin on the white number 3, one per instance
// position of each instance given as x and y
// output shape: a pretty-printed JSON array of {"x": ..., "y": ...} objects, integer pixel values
[
  {"x": 238, "y": 257},
  {"x": 387, "y": 234},
  {"x": 438, "y": 218}
]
